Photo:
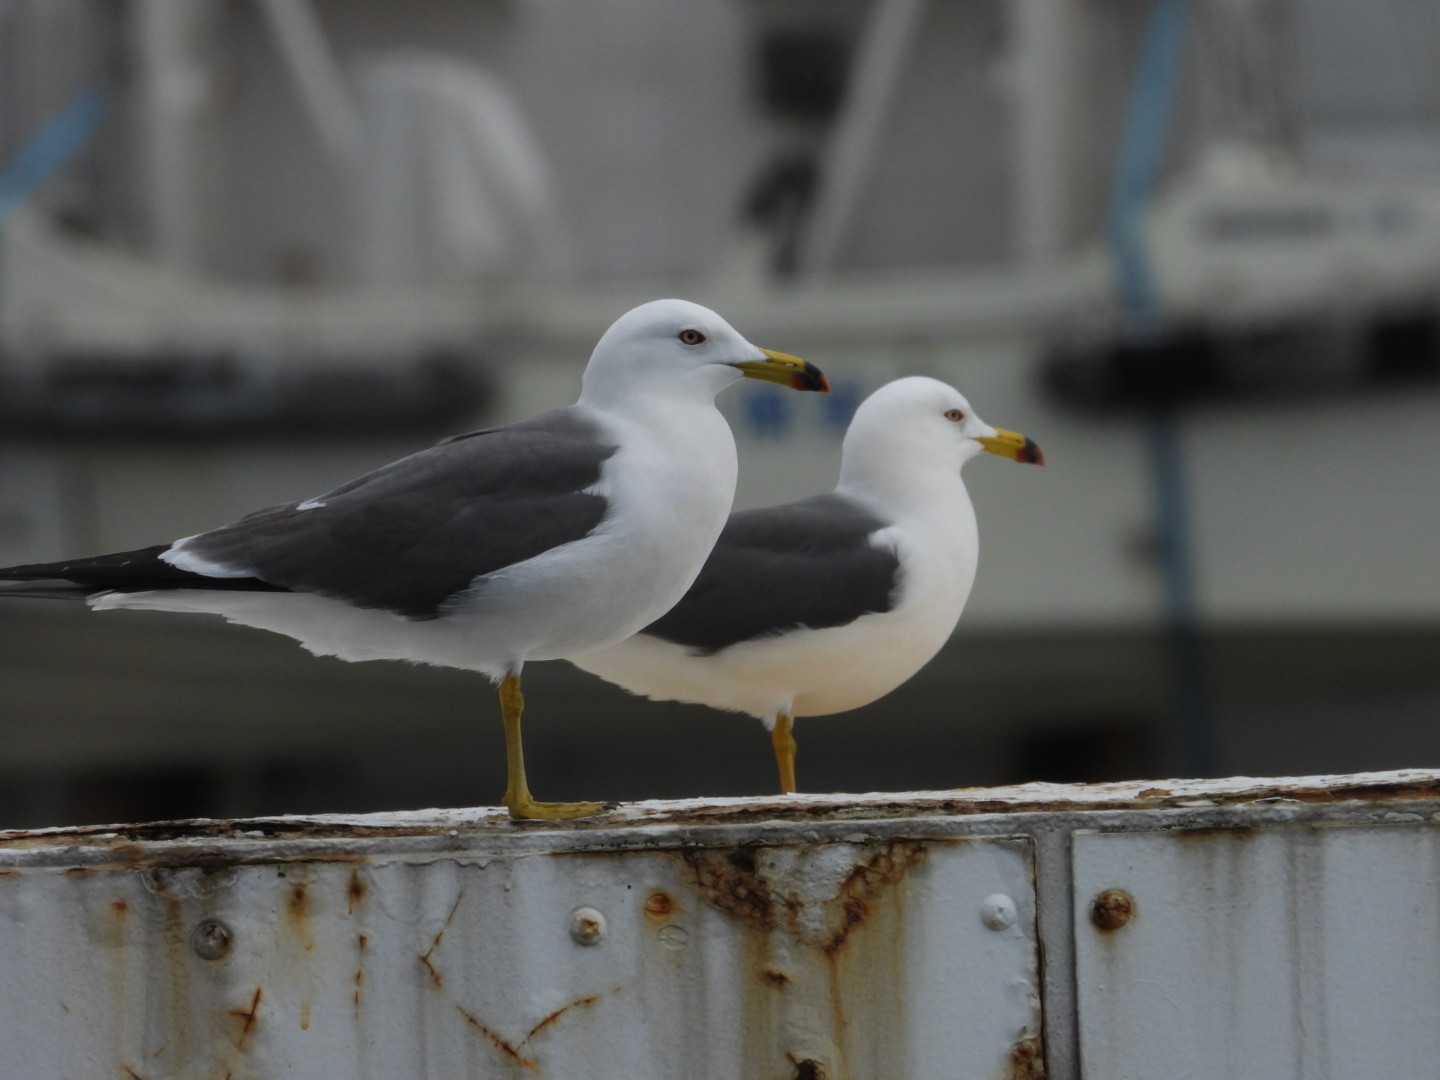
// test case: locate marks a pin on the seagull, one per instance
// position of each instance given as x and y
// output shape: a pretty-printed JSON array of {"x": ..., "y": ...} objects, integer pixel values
[
  {"x": 827, "y": 604},
  {"x": 564, "y": 532}
]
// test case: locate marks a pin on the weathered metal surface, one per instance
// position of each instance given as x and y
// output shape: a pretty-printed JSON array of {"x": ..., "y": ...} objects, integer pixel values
[
  {"x": 1305, "y": 951},
  {"x": 847, "y": 959},
  {"x": 1190, "y": 928}
]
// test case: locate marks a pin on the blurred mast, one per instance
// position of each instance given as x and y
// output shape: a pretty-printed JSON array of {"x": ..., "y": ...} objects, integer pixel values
[
  {"x": 172, "y": 91},
  {"x": 885, "y": 48},
  {"x": 327, "y": 97},
  {"x": 1045, "y": 92}
]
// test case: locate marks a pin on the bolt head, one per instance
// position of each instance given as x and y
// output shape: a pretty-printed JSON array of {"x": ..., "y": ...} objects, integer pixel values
[
  {"x": 587, "y": 926},
  {"x": 1112, "y": 909},
  {"x": 211, "y": 939},
  {"x": 998, "y": 912}
]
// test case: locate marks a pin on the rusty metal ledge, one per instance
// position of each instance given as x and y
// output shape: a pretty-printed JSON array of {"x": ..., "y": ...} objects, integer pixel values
[
  {"x": 821, "y": 934},
  {"x": 1404, "y": 795}
]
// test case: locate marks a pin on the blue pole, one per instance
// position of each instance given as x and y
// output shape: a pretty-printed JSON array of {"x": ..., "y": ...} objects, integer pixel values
[
  {"x": 1152, "y": 101},
  {"x": 1147, "y": 120},
  {"x": 48, "y": 150}
]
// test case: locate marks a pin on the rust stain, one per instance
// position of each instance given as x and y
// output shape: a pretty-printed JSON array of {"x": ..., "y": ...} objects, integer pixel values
[
  {"x": 305, "y": 1016},
  {"x": 1238, "y": 831},
  {"x": 131, "y": 1074},
  {"x": 138, "y": 857},
  {"x": 837, "y": 999},
  {"x": 297, "y": 913},
  {"x": 298, "y": 905},
  {"x": 1318, "y": 794},
  {"x": 362, "y": 942},
  {"x": 435, "y": 944},
  {"x": 856, "y": 905},
  {"x": 355, "y": 891},
  {"x": 79, "y": 871},
  {"x": 659, "y": 905},
  {"x": 1027, "y": 1059},
  {"x": 853, "y": 912},
  {"x": 507, "y": 1048},
  {"x": 516, "y": 1051},
  {"x": 868, "y": 882},
  {"x": 556, "y": 1015},
  {"x": 1367, "y": 792},
  {"x": 774, "y": 977},
  {"x": 174, "y": 949},
  {"x": 1153, "y": 793},
  {"x": 1112, "y": 909},
  {"x": 120, "y": 908},
  {"x": 248, "y": 1018},
  {"x": 728, "y": 879},
  {"x": 807, "y": 1068}
]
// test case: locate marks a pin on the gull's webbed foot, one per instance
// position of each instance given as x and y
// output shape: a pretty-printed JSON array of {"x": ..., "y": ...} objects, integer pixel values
[{"x": 529, "y": 809}]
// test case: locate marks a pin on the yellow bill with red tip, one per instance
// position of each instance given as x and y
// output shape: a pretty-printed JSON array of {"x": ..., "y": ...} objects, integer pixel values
[
  {"x": 786, "y": 370},
  {"x": 1013, "y": 445}
]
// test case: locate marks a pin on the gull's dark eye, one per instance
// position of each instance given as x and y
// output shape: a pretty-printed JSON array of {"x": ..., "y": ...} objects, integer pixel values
[
  {"x": 954, "y": 414},
  {"x": 691, "y": 337}
]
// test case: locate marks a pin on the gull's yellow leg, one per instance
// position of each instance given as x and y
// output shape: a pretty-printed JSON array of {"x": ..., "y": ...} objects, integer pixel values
[
  {"x": 517, "y": 792},
  {"x": 784, "y": 742}
]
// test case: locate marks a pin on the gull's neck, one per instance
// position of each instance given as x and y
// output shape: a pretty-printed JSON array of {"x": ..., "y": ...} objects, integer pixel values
[{"x": 900, "y": 479}]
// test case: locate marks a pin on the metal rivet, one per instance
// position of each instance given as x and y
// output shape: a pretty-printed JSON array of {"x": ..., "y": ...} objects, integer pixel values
[
  {"x": 1112, "y": 909},
  {"x": 998, "y": 912},
  {"x": 587, "y": 926},
  {"x": 673, "y": 937},
  {"x": 211, "y": 939}
]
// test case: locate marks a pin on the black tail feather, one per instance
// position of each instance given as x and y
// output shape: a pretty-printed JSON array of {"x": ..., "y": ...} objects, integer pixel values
[{"x": 141, "y": 570}]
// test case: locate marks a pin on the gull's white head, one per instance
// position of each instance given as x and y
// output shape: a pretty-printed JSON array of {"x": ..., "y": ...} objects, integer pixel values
[
  {"x": 674, "y": 347},
  {"x": 920, "y": 430}
]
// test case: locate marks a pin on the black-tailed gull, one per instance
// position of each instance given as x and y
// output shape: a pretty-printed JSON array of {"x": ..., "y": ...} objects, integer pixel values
[
  {"x": 534, "y": 541},
  {"x": 826, "y": 604}
]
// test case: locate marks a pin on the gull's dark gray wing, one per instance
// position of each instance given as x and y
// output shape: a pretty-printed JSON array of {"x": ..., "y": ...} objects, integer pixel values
[
  {"x": 404, "y": 538},
  {"x": 808, "y": 563}
]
